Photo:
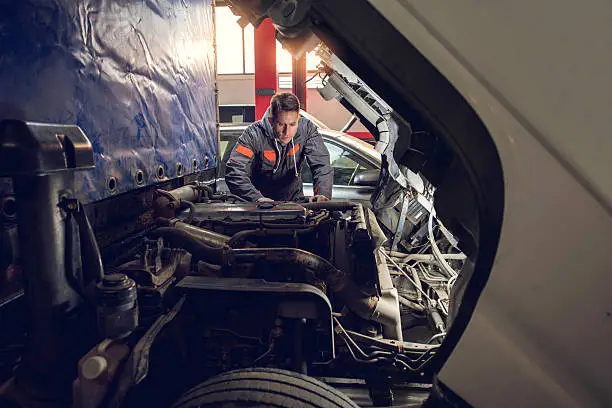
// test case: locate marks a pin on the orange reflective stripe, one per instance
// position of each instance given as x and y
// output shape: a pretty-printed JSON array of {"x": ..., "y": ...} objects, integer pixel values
[
  {"x": 270, "y": 155},
  {"x": 294, "y": 150},
  {"x": 244, "y": 151}
]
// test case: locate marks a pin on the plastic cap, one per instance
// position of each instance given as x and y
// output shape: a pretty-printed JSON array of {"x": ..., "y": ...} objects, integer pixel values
[{"x": 93, "y": 367}]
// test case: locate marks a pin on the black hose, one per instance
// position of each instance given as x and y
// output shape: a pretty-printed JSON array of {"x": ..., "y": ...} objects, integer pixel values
[
  {"x": 330, "y": 205},
  {"x": 238, "y": 238},
  {"x": 92, "y": 259},
  {"x": 71, "y": 275},
  {"x": 207, "y": 189},
  {"x": 199, "y": 251},
  {"x": 208, "y": 237},
  {"x": 322, "y": 268},
  {"x": 192, "y": 210}
]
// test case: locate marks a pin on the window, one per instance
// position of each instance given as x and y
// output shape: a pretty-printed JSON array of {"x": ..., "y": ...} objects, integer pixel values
[
  {"x": 227, "y": 141},
  {"x": 236, "y": 47},
  {"x": 284, "y": 60},
  {"x": 345, "y": 163}
]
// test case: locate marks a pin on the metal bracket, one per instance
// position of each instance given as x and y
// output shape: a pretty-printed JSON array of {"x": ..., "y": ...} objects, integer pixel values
[
  {"x": 28, "y": 148},
  {"x": 401, "y": 221}
]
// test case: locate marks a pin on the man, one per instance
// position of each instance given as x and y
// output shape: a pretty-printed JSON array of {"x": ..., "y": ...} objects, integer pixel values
[{"x": 266, "y": 162}]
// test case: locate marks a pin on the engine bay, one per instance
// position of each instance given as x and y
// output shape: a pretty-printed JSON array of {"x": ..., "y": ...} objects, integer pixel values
[
  {"x": 218, "y": 284},
  {"x": 140, "y": 284}
]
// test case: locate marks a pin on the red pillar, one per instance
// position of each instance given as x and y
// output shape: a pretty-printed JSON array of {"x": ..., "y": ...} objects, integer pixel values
[
  {"x": 298, "y": 79},
  {"x": 266, "y": 78}
]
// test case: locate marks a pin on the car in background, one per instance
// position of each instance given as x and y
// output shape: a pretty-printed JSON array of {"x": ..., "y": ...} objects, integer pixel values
[{"x": 356, "y": 163}]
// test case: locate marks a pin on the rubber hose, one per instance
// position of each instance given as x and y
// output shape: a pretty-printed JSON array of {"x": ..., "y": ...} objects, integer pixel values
[
  {"x": 92, "y": 259},
  {"x": 199, "y": 251}
]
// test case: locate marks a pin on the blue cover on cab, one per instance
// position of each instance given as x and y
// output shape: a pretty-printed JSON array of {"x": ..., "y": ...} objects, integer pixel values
[{"x": 138, "y": 76}]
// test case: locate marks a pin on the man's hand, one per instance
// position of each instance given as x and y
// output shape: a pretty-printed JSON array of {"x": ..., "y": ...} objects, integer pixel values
[
  {"x": 318, "y": 198},
  {"x": 265, "y": 200}
]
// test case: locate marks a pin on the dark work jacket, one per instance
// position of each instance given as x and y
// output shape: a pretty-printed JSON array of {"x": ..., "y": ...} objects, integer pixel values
[{"x": 260, "y": 166}]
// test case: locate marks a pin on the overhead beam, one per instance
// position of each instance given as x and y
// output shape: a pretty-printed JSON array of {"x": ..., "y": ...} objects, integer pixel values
[{"x": 298, "y": 79}]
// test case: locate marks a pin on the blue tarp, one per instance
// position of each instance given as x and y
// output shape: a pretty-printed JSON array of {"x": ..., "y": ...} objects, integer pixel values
[{"x": 138, "y": 76}]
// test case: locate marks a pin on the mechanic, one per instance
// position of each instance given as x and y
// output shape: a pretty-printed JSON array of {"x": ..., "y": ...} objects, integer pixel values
[{"x": 266, "y": 162}]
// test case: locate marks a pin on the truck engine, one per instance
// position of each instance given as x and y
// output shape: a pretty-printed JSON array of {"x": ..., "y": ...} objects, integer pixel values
[
  {"x": 129, "y": 279},
  {"x": 216, "y": 285},
  {"x": 306, "y": 287}
]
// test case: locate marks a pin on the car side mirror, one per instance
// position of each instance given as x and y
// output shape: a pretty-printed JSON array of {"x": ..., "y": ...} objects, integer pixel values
[{"x": 366, "y": 178}]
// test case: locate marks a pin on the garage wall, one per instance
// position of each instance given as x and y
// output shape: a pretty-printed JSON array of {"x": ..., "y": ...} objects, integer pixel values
[{"x": 240, "y": 90}]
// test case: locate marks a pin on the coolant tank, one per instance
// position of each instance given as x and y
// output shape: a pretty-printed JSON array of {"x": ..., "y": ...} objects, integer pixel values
[{"x": 117, "y": 306}]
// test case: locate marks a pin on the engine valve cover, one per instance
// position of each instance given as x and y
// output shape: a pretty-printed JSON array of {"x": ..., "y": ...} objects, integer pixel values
[{"x": 251, "y": 212}]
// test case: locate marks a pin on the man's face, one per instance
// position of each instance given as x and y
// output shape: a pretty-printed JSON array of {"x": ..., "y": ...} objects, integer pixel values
[{"x": 285, "y": 125}]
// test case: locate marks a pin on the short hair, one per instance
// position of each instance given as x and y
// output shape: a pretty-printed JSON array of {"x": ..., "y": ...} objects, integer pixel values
[{"x": 286, "y": 102}]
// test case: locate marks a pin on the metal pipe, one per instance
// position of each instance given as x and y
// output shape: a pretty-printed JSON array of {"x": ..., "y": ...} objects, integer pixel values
[
  {"x": 436, "y": 251},
  {"x": 167, "y": 201},
  {"x": 405, "y": 258},
  {"x": 210, "y": 238},
  {"x": 419, "y": 287},
  {"x": 378, "y": 236},
  {"x": 363, "y": 305},
  {"x": 387, "y": 311},
  {"x": 392, "y": 345},
  {"x": 410, "y": 304},
  {"x": 189, "y": 192},
  {"x": 350, "y": 123},
  {"x": 241, "y": 236},
  {"x": 383, "y": 135},
  {"x": 323, "y": 269},
  {"x": 198, "y": 250},
  {"x": 331, "y": 205}
]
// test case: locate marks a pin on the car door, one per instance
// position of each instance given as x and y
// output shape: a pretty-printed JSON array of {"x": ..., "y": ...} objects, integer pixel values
[{"x": 346, "y": 164}]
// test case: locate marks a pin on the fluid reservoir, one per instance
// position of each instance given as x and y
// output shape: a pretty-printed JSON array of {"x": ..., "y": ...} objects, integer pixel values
[{"x": 117, "y": 306}]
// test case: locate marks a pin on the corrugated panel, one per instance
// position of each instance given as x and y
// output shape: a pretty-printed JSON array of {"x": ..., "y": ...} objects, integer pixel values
[{"x": 137, "y": 76}]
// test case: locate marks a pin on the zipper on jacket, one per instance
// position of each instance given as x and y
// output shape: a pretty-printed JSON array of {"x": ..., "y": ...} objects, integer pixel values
[
  {"x": 278, "y": 157},
  {"x": 293, "y": 155}
]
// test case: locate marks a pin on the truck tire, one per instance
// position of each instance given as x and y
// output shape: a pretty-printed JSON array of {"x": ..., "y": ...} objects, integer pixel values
[{"x": 263, "y": 387}]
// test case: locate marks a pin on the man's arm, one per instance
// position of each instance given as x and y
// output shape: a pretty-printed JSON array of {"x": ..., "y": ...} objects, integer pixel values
[
  {"x": 238, "y": 169},
  {"x": 317, "y": 158}
]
